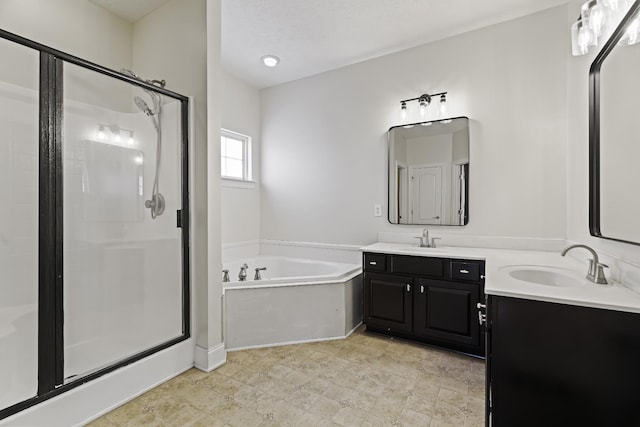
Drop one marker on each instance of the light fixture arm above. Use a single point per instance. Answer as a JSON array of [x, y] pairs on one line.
[[424, 95]]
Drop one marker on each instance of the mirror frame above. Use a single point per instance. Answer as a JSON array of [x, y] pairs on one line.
[[388, 172], [594, 124]]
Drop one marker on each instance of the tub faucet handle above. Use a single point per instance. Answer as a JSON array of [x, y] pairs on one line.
[[242, 276], [258, 270], [225, 275]]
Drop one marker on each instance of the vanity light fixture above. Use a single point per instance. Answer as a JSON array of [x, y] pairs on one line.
[[424, 101], [131, 140], [101, 134], [270, 60], [597, 20]]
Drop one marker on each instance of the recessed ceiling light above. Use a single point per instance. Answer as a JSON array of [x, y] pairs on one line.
[[270, 60]]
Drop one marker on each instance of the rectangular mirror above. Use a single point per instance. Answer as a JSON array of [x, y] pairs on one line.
[[614, 206], [429, 173]]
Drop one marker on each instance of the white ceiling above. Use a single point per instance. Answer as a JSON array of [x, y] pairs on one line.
[[313, 36]]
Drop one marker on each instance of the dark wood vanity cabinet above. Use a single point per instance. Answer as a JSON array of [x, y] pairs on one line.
[[428, 299], [552, 364]]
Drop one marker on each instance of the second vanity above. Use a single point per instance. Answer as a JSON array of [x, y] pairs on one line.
[[560, 350]]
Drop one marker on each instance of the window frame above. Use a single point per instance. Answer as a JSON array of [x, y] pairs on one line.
[[247, 172]]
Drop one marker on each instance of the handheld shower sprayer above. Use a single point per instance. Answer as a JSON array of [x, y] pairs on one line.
[[157, 203]]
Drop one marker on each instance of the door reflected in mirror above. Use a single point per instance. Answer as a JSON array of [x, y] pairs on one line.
[[429, 173]]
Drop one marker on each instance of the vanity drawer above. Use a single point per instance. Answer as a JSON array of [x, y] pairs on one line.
[[466, 271], [375, 262], [418, 265]]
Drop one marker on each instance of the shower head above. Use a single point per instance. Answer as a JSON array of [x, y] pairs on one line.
[[142, 105]]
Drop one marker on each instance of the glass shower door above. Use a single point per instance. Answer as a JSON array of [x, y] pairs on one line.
[[123, 270], [18, 223]]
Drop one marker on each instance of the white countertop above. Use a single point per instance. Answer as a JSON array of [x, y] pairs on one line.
[[498, 262]]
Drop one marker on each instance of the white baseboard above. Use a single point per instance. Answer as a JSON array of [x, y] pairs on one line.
[[91, 400], [209, 359]]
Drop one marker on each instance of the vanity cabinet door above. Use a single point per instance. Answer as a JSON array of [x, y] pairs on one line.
[[562, 365], [446, 312], [388, 302]]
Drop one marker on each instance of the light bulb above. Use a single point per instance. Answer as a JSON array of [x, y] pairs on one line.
[[117, 136], [631, 34], [101, 134], [444, 110], [593, 16], [424, 103], [131, 140], [403, 111]]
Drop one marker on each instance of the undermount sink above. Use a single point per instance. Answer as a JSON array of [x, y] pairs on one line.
[[548, 276]]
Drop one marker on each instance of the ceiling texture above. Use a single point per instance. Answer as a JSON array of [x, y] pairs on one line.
[[314, 36]]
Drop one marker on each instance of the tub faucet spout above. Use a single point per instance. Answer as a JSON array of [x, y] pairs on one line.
[[242, 276], [257, 275]]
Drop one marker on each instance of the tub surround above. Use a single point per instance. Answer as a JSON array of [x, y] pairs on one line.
[[614, 296]]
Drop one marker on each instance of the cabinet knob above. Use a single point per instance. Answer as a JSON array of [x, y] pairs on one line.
[[421, 289], [481, 306], [373, 263], [408, 287], [463, 271]]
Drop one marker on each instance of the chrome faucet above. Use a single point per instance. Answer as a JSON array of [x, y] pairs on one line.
[[225, 275], [596, 269], [424, 239], [242, 276], [257, 275]]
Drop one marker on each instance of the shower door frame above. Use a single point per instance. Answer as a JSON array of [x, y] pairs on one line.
[[50, 224]]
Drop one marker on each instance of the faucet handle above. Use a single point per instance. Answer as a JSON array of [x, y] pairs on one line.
[[596, 271], [433, 241], [600, 277], [422, 241]]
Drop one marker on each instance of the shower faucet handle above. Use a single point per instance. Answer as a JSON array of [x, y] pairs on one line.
[[258, 270]]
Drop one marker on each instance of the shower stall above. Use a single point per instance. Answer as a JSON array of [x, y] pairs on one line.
[[94, 233]]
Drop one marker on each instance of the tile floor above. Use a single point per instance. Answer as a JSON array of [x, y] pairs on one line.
[[364, 380]]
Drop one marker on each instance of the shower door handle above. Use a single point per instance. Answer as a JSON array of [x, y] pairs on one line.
[[179, 223]]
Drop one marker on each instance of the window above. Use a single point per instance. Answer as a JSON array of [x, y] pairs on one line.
[[235, 156]]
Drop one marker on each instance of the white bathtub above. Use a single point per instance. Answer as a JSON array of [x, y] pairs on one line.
[[297, 300], [283, 270]]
